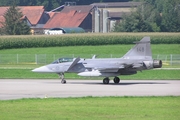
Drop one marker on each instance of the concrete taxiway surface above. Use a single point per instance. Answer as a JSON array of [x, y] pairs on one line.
[[27, 88]]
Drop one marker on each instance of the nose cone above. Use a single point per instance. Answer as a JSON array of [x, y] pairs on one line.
[[43, 69]]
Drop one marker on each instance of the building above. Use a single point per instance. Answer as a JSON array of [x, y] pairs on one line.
[[71, 16], [97, 17], [106, 15]]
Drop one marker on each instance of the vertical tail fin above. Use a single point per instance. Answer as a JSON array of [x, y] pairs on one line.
[[142, 50]]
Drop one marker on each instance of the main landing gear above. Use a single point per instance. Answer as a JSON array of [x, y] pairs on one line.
[[61, 76], [106, 80]]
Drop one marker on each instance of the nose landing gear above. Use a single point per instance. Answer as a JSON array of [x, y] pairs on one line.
[[61, 76]]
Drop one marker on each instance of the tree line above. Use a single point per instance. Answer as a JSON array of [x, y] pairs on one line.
[[152, 16]]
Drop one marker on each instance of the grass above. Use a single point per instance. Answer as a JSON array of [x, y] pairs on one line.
[[145, 75], [100, 50], [90, 108], [49, 54]]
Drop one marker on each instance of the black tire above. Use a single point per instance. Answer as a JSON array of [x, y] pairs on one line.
[[106, 80], [116, 80], [63, 81]]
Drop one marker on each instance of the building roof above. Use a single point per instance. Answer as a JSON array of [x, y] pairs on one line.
[[51, 14], [79, 8], [1, 20], [70, 30], [117, 9], [116, 4], [74, 30], [117, 14], [72, 18], [33, 13], [3, 10]]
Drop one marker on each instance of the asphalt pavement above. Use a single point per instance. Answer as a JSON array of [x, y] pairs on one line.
[[38, 88]]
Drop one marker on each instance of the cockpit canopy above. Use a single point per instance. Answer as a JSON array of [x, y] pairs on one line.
[[62, 60]]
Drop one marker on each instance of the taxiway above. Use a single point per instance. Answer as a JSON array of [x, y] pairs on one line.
[[37, 88]]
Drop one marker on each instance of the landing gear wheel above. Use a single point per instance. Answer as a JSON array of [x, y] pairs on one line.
[[116, 80], [63, 81], [106, 80], [61, 76]]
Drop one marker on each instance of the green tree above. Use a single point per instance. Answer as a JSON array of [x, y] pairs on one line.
[[14, 23], [133, 23], [144, 19], [171, 16], [153, 15]]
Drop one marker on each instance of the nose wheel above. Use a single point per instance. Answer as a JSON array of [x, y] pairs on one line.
[[63, 81], [61, 76]]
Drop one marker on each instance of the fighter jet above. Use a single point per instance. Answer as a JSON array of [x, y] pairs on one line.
[[136, 59]]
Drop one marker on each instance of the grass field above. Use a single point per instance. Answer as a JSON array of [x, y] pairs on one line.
[[92, 108], [100, 50], [49, 54]]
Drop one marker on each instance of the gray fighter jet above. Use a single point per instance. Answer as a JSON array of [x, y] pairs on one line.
[[137, 59]]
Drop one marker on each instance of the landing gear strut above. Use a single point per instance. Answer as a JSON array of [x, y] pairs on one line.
[[61, 76]]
